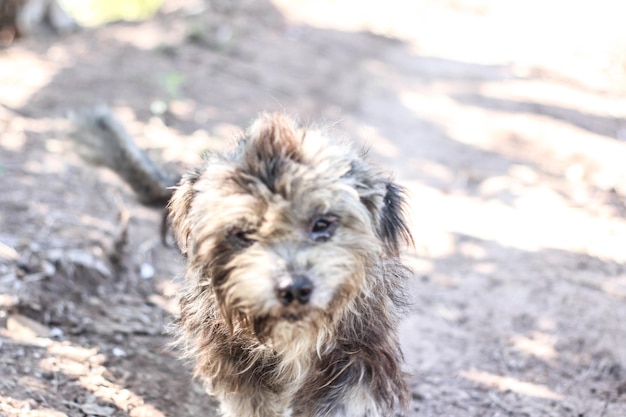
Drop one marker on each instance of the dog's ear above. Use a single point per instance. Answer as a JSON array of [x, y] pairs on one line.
[[179, 207], [392, 221], [386, 202]]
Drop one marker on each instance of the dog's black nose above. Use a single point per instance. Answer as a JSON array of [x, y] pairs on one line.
[[298, 288]]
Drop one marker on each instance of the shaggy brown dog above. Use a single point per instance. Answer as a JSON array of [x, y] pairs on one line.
[[293, 285]]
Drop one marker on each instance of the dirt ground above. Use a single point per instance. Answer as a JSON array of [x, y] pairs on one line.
[[508, 130]]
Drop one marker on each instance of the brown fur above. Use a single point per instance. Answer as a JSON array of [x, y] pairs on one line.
[[290, 205]]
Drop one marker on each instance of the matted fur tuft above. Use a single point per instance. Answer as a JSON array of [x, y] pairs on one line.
[[293, 285]]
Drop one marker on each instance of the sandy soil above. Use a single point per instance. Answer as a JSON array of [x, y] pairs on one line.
[[510, 141]]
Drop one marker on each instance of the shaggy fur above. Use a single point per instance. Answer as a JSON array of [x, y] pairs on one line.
[[293, 284]]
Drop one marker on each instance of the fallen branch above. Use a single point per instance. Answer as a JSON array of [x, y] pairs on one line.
[[103, 141]]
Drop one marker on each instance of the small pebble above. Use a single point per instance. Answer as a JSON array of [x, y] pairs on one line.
[[118, 352], [146, 271]]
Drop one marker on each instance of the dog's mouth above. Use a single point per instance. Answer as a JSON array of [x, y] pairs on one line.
[[292, 316], [265, 326]]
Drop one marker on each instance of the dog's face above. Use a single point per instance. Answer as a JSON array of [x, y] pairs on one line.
[[287, 230]]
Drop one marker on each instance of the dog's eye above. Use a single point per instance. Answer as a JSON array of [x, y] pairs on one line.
[[323, 228], [241, 238]]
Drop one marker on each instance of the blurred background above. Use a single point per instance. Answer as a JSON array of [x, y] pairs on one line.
[[505, 121]]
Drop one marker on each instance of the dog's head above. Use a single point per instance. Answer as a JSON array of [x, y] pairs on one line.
[[287, 229]]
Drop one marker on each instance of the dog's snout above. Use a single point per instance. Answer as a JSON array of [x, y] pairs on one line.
[[296, 289]]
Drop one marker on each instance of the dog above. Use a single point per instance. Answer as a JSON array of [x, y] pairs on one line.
[[293, 285]]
